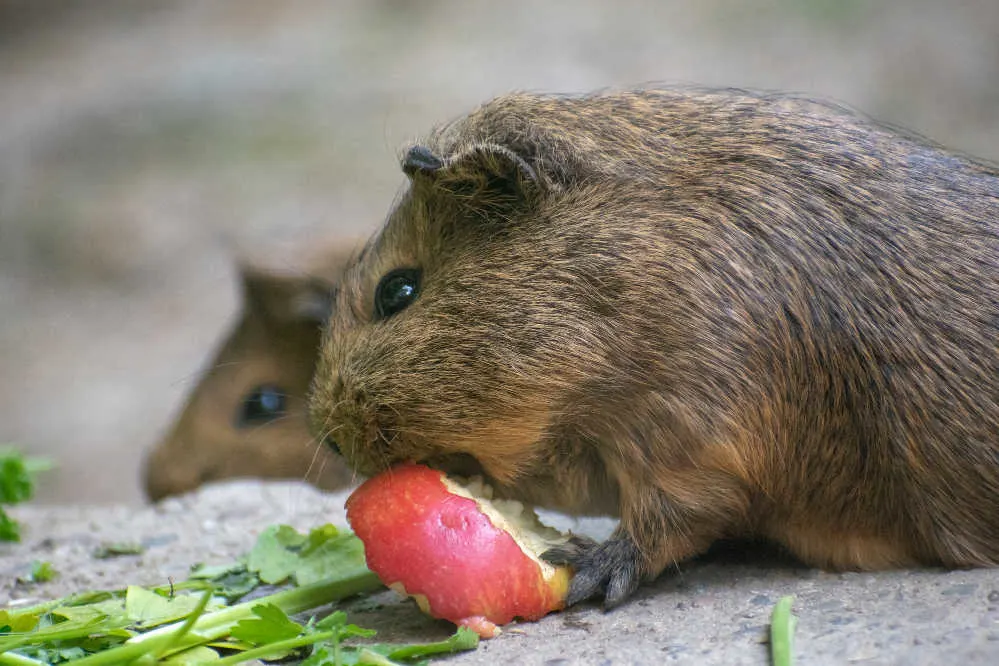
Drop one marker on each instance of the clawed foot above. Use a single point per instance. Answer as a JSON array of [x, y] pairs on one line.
[[611, 569]]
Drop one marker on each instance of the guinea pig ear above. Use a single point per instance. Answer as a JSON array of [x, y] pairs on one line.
[[314, 302], [286, 298], [420, 160], [483, 176]]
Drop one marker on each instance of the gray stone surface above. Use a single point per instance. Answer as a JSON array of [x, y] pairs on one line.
[[714, 611]]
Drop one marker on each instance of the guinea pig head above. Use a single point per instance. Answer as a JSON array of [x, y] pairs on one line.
[[247, 415], [457, 337]]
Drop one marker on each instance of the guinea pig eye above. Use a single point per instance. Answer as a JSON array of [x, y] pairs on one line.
[[262, 405], [396, 290]]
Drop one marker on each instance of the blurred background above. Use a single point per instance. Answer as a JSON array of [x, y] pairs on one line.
[[144, 146]]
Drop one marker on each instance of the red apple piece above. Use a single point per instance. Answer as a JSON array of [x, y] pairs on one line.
[[461, 555]]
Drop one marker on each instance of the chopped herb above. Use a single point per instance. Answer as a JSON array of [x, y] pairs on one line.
[[269, 626], [41, 571], [194, 624], [281, 553], [117, 549], [17, 481], [9, 529], [782, 625]]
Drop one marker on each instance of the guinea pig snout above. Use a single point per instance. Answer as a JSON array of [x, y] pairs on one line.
[[350, 423]]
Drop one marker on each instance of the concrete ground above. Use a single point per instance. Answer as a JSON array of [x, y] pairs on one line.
[[714, 611]]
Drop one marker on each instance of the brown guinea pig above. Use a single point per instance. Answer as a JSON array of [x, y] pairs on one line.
[[713, 313], [247, 416]]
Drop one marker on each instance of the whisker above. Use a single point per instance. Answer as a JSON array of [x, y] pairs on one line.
[[190, 377], [387, 445], [316, 456], [253, 429]]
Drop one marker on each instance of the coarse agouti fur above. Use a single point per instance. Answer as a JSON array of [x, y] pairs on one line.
[[247, 415], [714, 313]]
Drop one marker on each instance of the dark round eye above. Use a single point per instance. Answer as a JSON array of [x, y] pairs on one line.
[[396, 291], [263, 404]]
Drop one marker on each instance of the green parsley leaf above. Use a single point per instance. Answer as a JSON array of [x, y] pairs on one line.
[[270, 626], [15, 481], [326, 552], [9, 529], [340, 556], [41, 571], [13, 622], [275, 555], [319, 536], [96, 611], [231, 581], [148, 609], [338, 621], [16, 485], [322, 655]]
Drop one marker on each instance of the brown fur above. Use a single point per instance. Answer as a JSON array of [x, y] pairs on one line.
[[713, 313], [274, 344]]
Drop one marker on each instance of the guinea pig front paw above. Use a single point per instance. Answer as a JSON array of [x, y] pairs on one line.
[[612, 568]]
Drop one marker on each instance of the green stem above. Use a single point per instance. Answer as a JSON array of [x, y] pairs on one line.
[[84, 598], [72, 600], [54, 633], [275, 648], [782, 624], [366, 657], [123, 654], [11, 659], [294, 600], [425, 649], [185, 628]]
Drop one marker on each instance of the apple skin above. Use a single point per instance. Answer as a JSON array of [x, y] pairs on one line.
[[441, 549]]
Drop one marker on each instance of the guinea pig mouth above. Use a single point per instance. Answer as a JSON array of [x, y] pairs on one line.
[[371, 441], [457, 464], [465, 466]]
